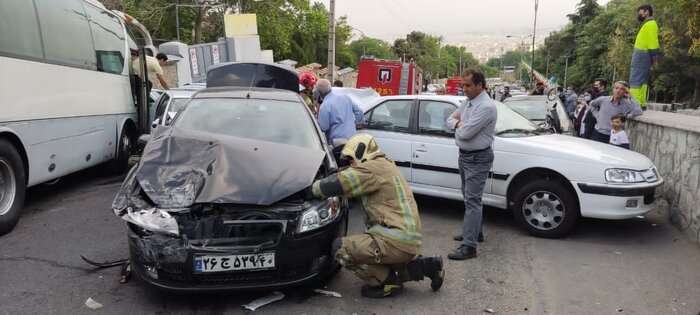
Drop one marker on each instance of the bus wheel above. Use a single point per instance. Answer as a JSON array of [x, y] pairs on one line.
[[13, 184], [120, 164]]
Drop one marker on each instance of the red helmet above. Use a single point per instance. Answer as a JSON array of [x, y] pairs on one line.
[[307, 78]]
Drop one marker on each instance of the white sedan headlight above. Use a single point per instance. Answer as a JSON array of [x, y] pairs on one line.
[[617, 175], [319, 215]]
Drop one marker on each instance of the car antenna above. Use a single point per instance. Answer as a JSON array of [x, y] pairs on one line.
[[251, 86]]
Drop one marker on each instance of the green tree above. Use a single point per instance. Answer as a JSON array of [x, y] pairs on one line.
[[372, 47]]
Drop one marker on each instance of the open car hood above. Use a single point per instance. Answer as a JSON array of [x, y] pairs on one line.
[[181, 167]]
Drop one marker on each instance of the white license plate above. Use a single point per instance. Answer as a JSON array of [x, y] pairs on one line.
[[216, 263]]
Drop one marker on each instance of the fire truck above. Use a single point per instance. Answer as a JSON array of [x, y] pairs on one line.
[[389, 77], [452, 86]]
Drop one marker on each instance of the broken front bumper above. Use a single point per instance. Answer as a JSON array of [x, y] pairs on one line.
[[168, 262]]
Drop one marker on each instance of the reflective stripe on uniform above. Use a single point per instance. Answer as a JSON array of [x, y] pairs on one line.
[[405, 208], [354, 180], [397, 235]]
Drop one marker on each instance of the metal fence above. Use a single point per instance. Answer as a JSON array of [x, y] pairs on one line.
[[203, 56]]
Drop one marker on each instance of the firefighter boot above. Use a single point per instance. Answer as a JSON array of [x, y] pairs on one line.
[[390, 286], [430, 267]]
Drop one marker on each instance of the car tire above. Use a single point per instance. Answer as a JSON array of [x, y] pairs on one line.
[[13, 184], [546, 208], [126, 147]]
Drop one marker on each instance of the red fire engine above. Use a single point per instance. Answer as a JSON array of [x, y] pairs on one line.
[[452, 85], [389, 77]]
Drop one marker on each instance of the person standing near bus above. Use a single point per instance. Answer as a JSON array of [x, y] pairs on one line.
[[153, 66]]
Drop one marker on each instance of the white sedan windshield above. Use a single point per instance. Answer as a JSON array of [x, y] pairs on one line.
[[513, 124], [267, 120]]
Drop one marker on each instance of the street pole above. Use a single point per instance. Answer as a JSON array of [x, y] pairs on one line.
[[566, 70], [331, 42], [534, 29], [547, 71], [177, 21]]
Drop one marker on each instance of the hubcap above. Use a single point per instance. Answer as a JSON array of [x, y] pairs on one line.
[[126, 146], [543, 210], [7, 186]]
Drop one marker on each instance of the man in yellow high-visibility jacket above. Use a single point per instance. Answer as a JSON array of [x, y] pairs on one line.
[[645, 54]]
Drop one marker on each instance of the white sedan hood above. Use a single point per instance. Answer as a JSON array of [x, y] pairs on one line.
[[574, 149]]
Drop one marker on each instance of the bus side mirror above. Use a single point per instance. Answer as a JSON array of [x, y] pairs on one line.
[[143, 140]]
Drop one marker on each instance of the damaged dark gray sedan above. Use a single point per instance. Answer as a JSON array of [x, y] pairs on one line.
[[218, 198]]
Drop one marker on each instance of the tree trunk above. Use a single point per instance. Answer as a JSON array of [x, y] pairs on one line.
[[198, 25]]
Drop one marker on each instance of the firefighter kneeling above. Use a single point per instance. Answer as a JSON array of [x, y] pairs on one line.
[[388, 253]]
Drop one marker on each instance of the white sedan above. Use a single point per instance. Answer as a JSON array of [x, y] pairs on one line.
[[548, 180]]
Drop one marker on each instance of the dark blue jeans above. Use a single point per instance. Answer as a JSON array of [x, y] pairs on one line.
[[473, 170]]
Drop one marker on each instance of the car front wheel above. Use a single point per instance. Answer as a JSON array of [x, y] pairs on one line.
[[546, 208]]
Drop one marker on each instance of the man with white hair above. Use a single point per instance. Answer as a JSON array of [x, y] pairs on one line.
[[338, 114]]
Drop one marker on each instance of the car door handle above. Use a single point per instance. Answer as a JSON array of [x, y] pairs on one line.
[[421, 148]]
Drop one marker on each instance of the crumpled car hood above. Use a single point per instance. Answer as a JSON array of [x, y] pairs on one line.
[[179, 168]]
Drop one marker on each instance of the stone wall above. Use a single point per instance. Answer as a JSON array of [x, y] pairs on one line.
[[672, 141]]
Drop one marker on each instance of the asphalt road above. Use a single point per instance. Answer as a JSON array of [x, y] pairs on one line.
[[637, 266]]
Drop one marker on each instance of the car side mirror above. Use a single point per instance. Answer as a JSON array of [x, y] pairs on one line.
[[143, 140]]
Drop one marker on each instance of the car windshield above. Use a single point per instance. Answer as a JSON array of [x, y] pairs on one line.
[[177, 103], [533, 109], [266, 120], [512, 124]]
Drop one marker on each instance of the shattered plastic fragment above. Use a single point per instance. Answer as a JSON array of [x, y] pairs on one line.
[[92, 304], [489, 310], [273, 297], [153, 219], [328, 293]]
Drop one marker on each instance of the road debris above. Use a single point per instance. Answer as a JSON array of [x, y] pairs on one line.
[[619, 310], [654, 224], [328, 293], [92, 304], [273, 297], [125, 273], [616, 252], [489, 310], [106, 264], [640, 217]]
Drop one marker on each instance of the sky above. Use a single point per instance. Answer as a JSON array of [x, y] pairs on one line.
[[391, 19]]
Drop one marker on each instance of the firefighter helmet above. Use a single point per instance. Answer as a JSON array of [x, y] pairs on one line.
[[361, 147], [306, 79]]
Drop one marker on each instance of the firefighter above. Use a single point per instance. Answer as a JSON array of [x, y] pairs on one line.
[[308, 80], [388, 253]]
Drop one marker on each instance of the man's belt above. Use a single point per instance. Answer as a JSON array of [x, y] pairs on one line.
[[473, 151]]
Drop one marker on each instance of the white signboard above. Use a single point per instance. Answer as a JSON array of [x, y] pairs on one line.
[[215, 54], [193, 61]]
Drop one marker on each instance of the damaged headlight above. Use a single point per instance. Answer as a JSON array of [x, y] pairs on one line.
[[153, 219], [319, 215], [617, 175]]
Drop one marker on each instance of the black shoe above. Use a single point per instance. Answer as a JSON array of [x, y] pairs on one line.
[[479, 239], [462, 253], [390, 286], [433, 270]]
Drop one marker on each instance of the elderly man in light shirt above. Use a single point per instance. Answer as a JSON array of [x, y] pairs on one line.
[[603, 108], [338, 114]]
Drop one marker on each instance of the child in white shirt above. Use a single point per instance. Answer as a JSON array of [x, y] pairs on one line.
[[618, 136]]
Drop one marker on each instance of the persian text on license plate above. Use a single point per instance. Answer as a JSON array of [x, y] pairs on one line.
[[214, 263]]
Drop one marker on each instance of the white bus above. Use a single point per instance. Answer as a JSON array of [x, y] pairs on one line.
[[65, 93]]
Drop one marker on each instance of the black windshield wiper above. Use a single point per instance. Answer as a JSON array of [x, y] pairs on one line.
[[517, 130]]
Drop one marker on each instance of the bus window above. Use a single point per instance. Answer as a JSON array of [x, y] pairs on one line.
[[20, 30], [108, 38], [65, 33]]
